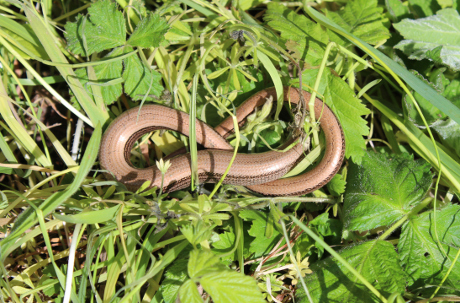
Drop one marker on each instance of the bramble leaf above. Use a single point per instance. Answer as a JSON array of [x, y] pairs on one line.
[[201, 261], [419, 251], [376, 261], [362, 18], [303, 37], [397, 10], [337, 185], [382, 189], [174, 278], [229, 286], [150, 32], [139, 79], [188, 293], [261, 244], [105, 73], [348, 109], [105, 28], [436, 38], [424, 8]]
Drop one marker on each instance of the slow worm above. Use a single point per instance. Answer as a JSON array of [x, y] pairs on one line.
[[259, 172]]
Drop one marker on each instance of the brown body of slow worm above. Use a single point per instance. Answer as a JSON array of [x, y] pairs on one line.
[[259, 172]]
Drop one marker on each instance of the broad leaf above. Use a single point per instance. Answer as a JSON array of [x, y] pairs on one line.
[[261, 245], [436, 38], [348, 109], [105, 73], [381, 190], [105, 28], [337, 185], [362, 18], [421, 256], [376, 261], [200, 262], [424, 8], [397, 10], [139, 79], [229, 286], [149, 32], [175, 275], [303, 37], [188, 293], [449, 133]]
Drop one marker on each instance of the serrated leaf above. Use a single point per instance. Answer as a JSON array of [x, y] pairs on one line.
[[200, 262], [188, 293], [260, 245], [150, 32], [304, 37], [420, 255], [105, 73], [397, 10], [175, 275], [327, 227], [449, 131], [363, 18], [139, 79], [382, 189], [376, 261], [231, 287], [337, 185], [105, 28], [424, 8], [439, 34], [348, 109]]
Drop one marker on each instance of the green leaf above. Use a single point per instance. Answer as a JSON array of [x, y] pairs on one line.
[[188, 293], [430, 94], [105, 73], [303, 37], [231, 287], [337, 185], [420, 255], [449, 132], [104, 29], [150, 32], [261, 245], [397, 10], [91, 217], [139, 79], [376, 261], [327, 227], [424, 8], [382, 190], [436, 38], [175, 275], [362, 18], [348, 109], [200, 262]]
